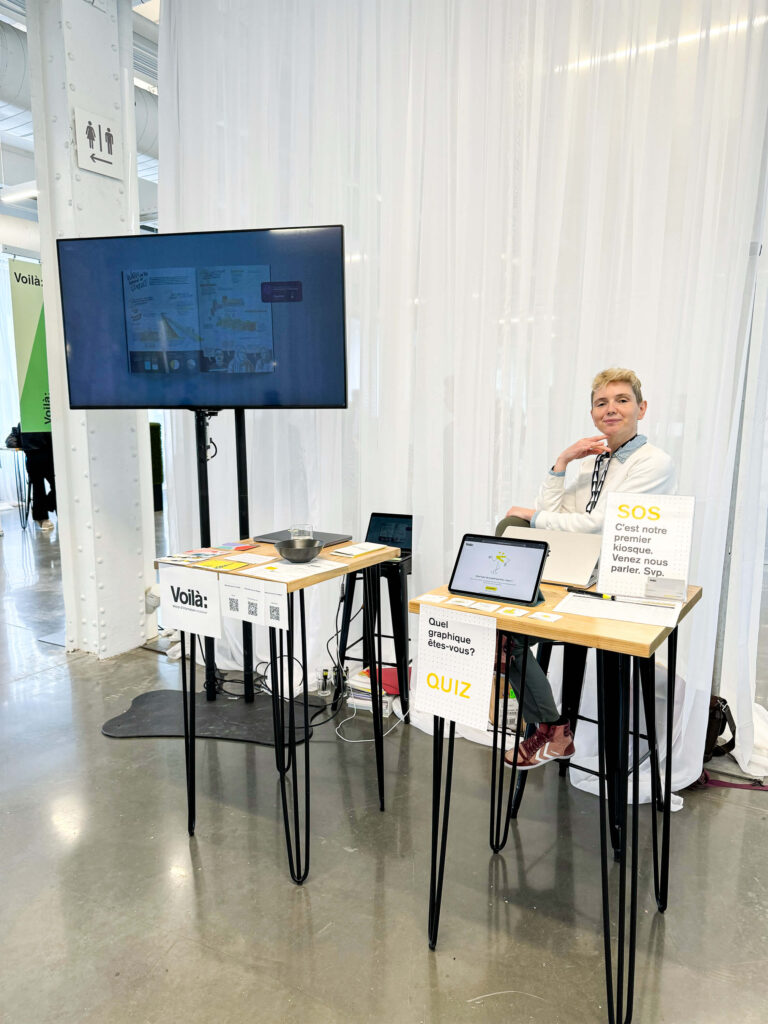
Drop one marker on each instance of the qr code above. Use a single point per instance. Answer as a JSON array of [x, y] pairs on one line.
[[274, 613], [253, 608], [234, 604]]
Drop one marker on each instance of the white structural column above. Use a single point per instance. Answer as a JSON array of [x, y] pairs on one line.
[[81, 57]]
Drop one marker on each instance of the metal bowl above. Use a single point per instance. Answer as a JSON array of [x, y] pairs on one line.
[[299, 549]]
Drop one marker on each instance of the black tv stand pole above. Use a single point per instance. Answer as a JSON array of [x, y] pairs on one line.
[[201, 437], [245, 530]]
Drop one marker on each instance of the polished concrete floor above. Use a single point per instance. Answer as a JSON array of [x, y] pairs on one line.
[[110, 913]]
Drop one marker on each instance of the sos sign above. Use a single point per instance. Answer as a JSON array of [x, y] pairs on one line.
[[651, 513]]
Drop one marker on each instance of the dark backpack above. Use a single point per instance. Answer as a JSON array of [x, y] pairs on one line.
[[719, 716], [14, 438]]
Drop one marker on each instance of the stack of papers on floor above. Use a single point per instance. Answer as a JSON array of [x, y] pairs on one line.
[[360, 694]]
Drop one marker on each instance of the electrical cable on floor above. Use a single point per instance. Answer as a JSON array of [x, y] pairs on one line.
[[371, 739], [266, 688], [262, 686]]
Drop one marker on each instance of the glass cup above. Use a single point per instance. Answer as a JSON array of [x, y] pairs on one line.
[[301, 530]]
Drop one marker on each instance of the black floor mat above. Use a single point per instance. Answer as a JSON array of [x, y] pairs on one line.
[[159, 713]]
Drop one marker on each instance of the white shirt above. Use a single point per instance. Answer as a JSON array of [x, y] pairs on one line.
[[638, 468]]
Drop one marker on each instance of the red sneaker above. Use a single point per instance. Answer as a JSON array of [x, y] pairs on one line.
[[548, 743]]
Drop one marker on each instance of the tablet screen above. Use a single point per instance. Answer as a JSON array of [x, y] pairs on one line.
[[501, 568]]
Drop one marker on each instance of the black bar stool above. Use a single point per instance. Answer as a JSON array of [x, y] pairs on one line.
[[396, 573]]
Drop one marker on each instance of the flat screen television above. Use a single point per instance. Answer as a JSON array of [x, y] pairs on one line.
[[211, 320]]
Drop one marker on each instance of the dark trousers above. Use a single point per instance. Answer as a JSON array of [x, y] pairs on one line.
[[40, 470], [538, 702]]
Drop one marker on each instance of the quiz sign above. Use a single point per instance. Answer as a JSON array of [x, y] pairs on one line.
[[646, 546], [455, 666]]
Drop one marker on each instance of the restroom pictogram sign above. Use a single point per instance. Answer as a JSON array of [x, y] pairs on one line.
[[99, 145]]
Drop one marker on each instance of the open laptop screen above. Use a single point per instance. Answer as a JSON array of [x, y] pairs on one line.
[[394, 530], [501, 568]]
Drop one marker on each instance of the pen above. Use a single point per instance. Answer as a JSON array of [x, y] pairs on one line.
[[590, 593], [623, 600]]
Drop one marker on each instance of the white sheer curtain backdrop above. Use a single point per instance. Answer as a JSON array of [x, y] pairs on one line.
[[9, 390], [530, 192]]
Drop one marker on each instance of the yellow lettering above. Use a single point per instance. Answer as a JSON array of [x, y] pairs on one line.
[[436, 681], [464, 692], [654, 512], [623, 511]]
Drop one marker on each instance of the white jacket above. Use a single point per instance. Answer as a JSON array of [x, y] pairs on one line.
[[646, 470]]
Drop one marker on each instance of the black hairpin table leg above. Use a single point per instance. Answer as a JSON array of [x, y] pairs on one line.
[[500, 814], [188, 706], [620, 997], [372, 644], [648, 684], [296, 835], [439, 828], [663, 893]]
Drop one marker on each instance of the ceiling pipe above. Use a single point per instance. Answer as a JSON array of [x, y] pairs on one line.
[[14, 88]]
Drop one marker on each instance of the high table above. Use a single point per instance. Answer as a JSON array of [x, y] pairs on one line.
[[283, 648], [624, 650]]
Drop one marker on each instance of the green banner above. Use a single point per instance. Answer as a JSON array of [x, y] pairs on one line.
[[31, 357]]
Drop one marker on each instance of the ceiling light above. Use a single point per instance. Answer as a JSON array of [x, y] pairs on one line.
[[17, 193]]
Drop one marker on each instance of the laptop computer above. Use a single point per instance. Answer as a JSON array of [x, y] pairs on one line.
[[392, 529], [572, 558], [326, 538], [499, 568]]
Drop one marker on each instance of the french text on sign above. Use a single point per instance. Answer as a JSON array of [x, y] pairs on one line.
[[646, 538], [454, 673]]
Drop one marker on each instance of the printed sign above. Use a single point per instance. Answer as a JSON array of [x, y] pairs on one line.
[[99, 148], [242, 598], [455, 668], [646, 546], [275, 604], [31, 357], [189, 600], [262, 602]]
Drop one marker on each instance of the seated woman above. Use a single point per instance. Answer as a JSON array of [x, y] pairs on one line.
[[617, 459]]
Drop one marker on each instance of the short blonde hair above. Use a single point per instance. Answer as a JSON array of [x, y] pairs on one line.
[[617, 375]]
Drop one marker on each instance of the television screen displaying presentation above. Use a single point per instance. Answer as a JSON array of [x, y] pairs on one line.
[[220, 319]]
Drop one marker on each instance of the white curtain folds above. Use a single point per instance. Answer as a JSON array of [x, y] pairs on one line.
[[531, 191]]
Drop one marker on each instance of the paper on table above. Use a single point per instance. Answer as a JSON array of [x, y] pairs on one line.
[[244, 556], [462, 602], [287, 572], [432, 598], [485, 606], [352, 550], [620, 611], [546, 616], [515, 612], [190, 557], [222, 564]]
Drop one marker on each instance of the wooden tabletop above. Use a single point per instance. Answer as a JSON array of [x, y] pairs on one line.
[[346, 564], [637, 639]]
